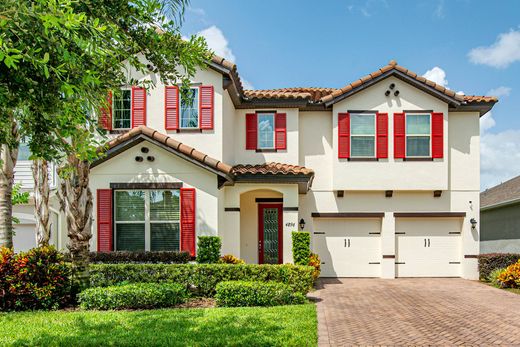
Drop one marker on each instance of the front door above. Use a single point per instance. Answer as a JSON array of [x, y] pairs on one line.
[[270, 233]]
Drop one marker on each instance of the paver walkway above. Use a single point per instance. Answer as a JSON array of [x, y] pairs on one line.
[[433, 311]]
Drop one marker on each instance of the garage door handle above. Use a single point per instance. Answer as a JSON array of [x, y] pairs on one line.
[[349, 242], [428, 242], [345, 243], [424, 242]]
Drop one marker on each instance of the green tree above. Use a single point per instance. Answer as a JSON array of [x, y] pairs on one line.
[[58, 60]]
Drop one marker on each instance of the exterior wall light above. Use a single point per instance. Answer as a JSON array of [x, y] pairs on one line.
[[302, 224], [473, 222]]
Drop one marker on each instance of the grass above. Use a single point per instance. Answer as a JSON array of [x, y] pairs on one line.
[[243, 326], [514, 290]]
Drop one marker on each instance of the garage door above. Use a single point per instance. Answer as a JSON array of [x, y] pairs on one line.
[[348, 247], [428, 248]]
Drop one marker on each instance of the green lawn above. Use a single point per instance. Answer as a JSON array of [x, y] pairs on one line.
[[243, 326], [514, 290]]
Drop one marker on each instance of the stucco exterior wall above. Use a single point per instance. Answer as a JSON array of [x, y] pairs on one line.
[[166, 167], [398, 174]]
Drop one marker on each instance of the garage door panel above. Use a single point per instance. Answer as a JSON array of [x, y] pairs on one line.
[[348, 248], [428, 248]]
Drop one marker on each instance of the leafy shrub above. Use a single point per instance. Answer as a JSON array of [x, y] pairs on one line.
[[202, 278], [133, 296], [230, 259], [492, 261], [208, 249], [493, 277], [301, 247], [510, 277], [315, 262], [36, 279], [139, 257], [255, 293]]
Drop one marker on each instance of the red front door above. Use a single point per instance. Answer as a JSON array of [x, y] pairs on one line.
[[270, 244]]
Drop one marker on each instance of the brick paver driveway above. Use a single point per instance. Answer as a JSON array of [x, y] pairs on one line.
[[436, 311]]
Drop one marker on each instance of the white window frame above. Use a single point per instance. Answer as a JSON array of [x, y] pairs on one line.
[[114, 110], [273, 115], [147, 220], [417, 135], [197, 108], [358, 135]]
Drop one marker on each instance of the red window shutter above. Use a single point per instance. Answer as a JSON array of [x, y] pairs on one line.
[[104, 220], [171, 107], [399, 135], [138, 106], [105, 119], [280, 125], [206, 107], [188, 220], [382, 135], [343, 135], [251, 131], [437, 135]]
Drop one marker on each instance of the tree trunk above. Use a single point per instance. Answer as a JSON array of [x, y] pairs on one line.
[[8, 156], [40, 169], [76, 201]]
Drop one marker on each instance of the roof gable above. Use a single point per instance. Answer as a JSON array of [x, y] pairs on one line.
[[502, 194]]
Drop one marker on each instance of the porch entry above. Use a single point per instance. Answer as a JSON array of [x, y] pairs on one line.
[[270, 245]]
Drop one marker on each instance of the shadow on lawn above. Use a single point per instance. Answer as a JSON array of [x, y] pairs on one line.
[[151, 328]]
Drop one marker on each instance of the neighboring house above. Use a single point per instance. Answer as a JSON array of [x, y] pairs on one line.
[[500, 218], [383, 172]]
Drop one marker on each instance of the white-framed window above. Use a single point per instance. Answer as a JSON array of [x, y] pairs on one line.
[[122, 109], [363, 135], [418, 135], [147, 220], [24, 152], [189, 109], [266, 131]]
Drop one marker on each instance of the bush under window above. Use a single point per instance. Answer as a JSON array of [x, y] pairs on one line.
[[125, 257], [133, 296], [202, 278], [208, 249], [255, 293]]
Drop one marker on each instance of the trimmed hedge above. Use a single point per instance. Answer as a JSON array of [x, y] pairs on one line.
[[208, 249], [301, 247], [133, 296], [125, 257], [491, 261], [201, 278], [255, 293]]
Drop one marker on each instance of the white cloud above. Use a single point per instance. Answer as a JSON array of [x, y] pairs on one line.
[[502, 53], [487, 122], [499, 157], [246, 84], [217, 42], [439, 10], [437, 75], [500, 91]]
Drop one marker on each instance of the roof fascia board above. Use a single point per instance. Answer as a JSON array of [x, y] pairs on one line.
[[501, 204]]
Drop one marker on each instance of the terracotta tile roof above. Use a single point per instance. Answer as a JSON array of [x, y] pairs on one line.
[[271, 169], [502, 193], [311, 93], [479, 98], [232, 67], [173, 144], [392, 65]]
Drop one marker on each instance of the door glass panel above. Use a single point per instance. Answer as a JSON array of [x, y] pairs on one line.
[[271, 235]]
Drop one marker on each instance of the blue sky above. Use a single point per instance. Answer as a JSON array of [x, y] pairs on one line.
[[468, 45]]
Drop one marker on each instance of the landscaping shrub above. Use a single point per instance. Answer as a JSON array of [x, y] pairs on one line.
[[36, 279], [202, 278], [230, 259], [133, 296], [255, 293], [208, 249], [301, 247], [493, 277], [492, 261], [510, 277], [315, 262], [158, 257]]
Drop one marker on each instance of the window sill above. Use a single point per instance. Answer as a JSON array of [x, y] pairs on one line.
[[266, 150], [418, 159], [188, 130], [363, 159], [119, 131]]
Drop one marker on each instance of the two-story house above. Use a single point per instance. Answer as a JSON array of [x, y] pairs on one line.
[[383, 172]]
